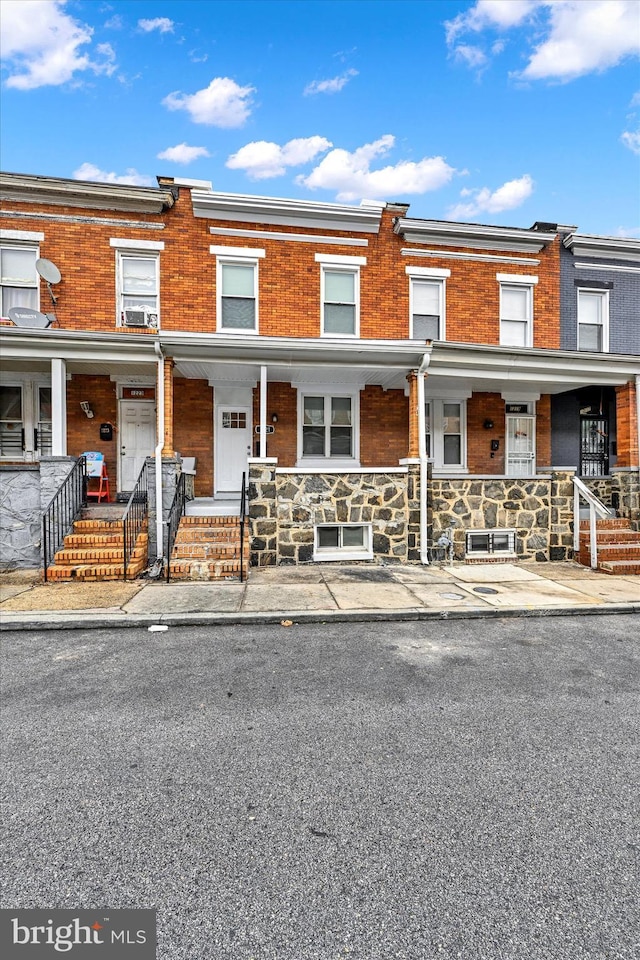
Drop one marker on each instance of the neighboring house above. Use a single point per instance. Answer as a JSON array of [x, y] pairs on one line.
[[382, 380]]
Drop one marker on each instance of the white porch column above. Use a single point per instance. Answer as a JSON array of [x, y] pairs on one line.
[[58, 407], [263, 411]]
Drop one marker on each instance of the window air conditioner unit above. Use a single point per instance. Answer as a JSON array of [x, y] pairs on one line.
[[140, 317]]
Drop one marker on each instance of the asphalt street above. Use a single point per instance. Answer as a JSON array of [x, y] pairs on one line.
[[368, 790]]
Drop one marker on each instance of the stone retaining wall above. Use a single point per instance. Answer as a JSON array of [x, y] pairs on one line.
[[626, 494], [601, 487], [284, 509], [20, 517]]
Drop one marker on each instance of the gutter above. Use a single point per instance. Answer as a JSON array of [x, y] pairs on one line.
[[158, 457], [422, 453]]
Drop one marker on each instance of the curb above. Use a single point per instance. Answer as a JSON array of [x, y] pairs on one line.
[[40, 621]]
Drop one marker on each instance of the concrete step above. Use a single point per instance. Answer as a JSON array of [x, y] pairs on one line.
[[620, 568]]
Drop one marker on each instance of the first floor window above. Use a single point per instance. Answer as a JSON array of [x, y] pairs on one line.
[[18, 278], [446, 433], [11, 423], [327, 427], [351, 541], [593, 309], [238, 299], [516, 315], [25, 420], [139, 292]]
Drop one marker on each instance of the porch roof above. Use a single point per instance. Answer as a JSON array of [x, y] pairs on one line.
[[222, 357]]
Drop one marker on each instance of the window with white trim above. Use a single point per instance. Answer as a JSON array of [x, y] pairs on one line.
[[138, 289], [593, 320], [18, 277], [343, 541], [427, 302], [340, 301], [25, 420], [445, 429], [516, 310], [486, 543], [237, 285], [327, 427]]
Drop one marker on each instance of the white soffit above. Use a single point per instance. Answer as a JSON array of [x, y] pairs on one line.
[[242, 208], [470, 235]]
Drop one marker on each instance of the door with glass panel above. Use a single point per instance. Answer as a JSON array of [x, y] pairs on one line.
[[12, 434], [42, 430], [520, 458], [233, 446]]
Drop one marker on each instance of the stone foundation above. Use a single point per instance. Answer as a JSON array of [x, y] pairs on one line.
[[285, 507], [626, 494], [20, 517]]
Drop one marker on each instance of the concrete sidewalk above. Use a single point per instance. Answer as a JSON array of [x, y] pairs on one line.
[[321, 593]]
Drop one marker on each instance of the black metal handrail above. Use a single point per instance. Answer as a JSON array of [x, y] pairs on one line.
[[134, 516], [243, 516], [65, 506], [176, 512]]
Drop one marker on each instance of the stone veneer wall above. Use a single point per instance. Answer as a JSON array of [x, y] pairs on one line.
[[601, 487], [540, 509], [285, 507], [20, 517], [626, 494]]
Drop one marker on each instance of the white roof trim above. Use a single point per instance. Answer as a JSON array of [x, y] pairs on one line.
[[612, 248], [292, 237], [451, 255], [472, 235]]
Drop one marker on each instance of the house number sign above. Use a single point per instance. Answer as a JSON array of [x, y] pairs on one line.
[[138, 393]]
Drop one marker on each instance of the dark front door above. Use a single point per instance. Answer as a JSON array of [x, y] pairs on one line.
[[594, 446]]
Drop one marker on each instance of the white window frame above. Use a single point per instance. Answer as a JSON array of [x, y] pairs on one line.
[[12, 240], [437, 434], [492, 534], [140, 251], [527, 283], [241, 257], [437, 276], [604, 299], [337, 463], [341, 553], [334, 263], [29, 386]]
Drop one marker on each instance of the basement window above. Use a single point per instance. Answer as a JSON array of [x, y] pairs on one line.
[[342, 541], [487, 543]]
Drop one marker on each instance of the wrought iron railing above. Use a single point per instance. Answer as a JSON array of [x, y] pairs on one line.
[[244, 511], [65, 506], [134, 517], [176, 512]]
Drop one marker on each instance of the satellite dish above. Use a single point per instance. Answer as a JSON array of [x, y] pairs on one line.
[[23, 317], [48, 271]]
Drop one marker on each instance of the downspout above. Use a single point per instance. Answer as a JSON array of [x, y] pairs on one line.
[[158, 456], [422, 453]]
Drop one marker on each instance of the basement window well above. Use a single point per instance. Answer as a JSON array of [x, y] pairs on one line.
[[343, 541], [489, 543]]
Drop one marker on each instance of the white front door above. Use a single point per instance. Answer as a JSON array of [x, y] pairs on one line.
[[137, 426], [233, 446], [520, 446]]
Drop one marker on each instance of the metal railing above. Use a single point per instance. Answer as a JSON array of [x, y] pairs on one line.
[[596, 507], [176, 512], [65, 506], [244, 511], [133, 518]]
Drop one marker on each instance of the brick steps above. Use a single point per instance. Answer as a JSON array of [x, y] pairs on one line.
[[618, 547], [208, 548], [94, 551]]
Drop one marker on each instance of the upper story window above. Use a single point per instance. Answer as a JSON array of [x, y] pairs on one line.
[[138, 282], [237, 288], [340, 294], [427, 299], [593, 320], [516, 310], [19, 280]]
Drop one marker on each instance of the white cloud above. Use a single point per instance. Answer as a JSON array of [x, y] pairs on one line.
[[183, 153], [351, 176], [222, 104], [586, 36], [635, 100], [628, 232], [330, 86], [262, 159], [631, 139], [162, 24], [41, 45], [472, 56], [578, 36], [89, 171], [510, 195]]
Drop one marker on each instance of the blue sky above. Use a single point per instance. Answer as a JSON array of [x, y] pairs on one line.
[[494, 111]]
